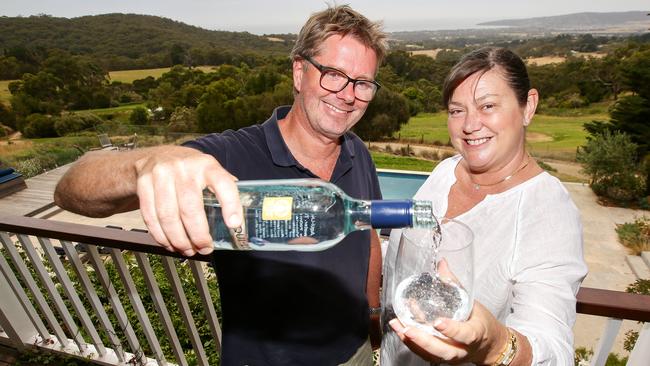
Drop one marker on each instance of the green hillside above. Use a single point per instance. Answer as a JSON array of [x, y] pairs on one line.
[[124, 38]]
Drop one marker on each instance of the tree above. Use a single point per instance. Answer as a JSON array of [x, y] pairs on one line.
[[7, 117], [166, 97], [142, 86], [214, 113], [631, 114], [9, 68], [177, 54], [385, 115]]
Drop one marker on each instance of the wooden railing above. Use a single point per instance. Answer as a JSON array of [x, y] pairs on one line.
[[95, 323], [74, 326]]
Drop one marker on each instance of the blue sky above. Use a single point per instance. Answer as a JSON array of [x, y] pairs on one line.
[[286, 16]]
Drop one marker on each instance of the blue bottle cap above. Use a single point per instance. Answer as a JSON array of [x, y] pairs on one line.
[[391, 214]]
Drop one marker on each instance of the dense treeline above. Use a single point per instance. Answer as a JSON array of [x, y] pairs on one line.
[[61, 66], [564, 45], [233, 96], [617, 154], [126, 41]]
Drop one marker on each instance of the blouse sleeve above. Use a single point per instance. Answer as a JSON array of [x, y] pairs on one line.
[[547, 269]]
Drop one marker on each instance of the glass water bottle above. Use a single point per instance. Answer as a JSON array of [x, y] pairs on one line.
[[307, 215]]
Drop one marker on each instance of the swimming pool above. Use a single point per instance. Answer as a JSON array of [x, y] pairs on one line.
[[396, 184]]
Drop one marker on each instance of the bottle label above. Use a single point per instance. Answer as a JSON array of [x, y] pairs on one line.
[[277, 208], [295, 226]]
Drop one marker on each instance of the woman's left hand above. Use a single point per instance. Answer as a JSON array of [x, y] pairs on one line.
[[480, 339]]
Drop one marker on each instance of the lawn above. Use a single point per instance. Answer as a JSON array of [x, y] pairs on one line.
[[127, 76], [548, 136], [558, 137]]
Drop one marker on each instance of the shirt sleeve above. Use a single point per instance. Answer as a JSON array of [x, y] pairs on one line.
[[547, 270]]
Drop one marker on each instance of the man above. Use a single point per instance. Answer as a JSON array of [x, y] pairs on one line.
[[279, 308]]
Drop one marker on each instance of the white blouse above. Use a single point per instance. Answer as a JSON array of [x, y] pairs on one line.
[[528, 262]]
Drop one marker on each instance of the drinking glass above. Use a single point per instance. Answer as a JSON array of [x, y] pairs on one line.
[[434, 275]]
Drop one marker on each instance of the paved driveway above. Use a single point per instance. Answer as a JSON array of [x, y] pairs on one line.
[[605, 258]]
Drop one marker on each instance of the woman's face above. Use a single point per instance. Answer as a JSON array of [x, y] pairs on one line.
[[486, 123]]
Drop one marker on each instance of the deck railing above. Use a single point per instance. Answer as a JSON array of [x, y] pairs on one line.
[[43, 307]]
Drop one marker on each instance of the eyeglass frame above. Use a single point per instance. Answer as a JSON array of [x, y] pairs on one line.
[[322, 69]]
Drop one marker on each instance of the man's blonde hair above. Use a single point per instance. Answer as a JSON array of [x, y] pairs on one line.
[[339, 20]]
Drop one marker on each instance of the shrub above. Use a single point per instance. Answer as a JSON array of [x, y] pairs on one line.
[[430, 155], [29, 167], [545, 166], [572, 101], [68, 124], [635, 235], [39, 125], [139, 116], [582, 355], [183, 120], [447, 155], [72, 123], [609, 159]]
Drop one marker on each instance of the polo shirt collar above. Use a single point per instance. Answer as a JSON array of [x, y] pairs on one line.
[[280, 151]]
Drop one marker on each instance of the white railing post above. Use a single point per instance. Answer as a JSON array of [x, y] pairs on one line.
[[606, 342], [13, 318], [640, 355]]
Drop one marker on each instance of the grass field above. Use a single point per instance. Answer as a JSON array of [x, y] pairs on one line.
[[127, 76], [120, 114], [559, 137], [548, 136], [4, 91], [389, 161]]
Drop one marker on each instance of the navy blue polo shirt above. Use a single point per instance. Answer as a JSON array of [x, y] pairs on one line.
[[292, 308]]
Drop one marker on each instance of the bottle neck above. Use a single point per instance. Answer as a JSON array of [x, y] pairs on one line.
[[380, 214], [389, 214], [392, 214]]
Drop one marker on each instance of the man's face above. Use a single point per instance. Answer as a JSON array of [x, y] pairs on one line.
[[327, 113]]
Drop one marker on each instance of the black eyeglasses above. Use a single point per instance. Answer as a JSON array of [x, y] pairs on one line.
[[334, 81]]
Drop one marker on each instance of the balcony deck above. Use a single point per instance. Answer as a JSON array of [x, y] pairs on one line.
[[598, 310], [37, 197]]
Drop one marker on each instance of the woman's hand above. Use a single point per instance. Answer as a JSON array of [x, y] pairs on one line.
[[480, 339]]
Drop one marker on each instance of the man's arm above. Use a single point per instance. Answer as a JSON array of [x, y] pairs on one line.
[[165, 182], [101, 183]]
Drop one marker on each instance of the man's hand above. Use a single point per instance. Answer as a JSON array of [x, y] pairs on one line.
[[170, 192]]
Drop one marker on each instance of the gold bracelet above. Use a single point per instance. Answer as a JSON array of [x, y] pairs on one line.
[[508, 354]]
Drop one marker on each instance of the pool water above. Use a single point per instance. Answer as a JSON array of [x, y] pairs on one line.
[[399, 185]]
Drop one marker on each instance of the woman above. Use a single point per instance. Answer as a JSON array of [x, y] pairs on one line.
[[527, 231]]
